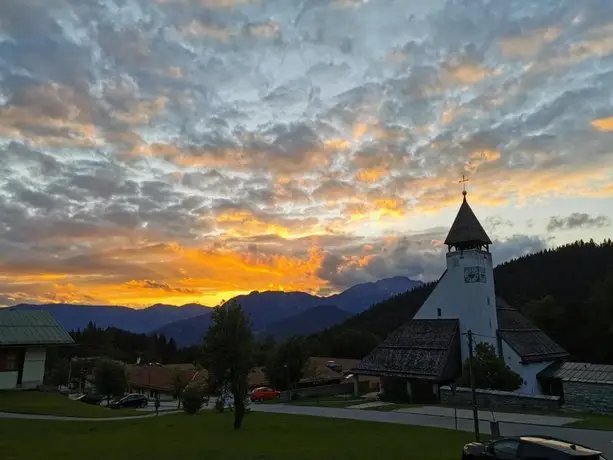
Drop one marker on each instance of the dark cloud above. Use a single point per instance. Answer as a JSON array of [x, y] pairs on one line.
[[577, 220], [418, 256]]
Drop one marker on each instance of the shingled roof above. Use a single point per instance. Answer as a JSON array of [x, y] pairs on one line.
[[527, 340], [427, 349], [466, 230]]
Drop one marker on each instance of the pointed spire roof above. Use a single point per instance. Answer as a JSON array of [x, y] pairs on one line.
[[466, 230]]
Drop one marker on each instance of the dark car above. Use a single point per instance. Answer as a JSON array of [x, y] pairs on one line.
[[529, 448], [90, 398], [133, 400]]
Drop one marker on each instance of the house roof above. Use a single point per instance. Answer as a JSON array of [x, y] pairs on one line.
[[31, 327], [162, 378], [421, 348], [579, 372], [319, 371], [527, 340], [466, 229]]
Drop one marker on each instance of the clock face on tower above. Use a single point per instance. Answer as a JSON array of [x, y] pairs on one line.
[[474, 275]]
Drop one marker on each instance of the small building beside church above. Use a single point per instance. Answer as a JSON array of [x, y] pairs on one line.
[[25, 336], [428, 351]]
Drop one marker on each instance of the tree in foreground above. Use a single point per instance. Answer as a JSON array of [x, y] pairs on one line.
[[229, 354], [110, 379], [193, 399], [491, 372], [287, 362], [178, 387]]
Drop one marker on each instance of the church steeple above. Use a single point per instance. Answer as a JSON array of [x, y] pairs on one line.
[[466, 231]]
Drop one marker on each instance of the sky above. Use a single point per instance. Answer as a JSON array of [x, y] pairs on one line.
[[181, 151]]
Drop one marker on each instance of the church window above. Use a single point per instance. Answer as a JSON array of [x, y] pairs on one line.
[[488, 302], [439, 312]]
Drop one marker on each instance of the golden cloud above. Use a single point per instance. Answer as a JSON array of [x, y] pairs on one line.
[[188, 274], [244, 223], [51, 115], [529, 44], [204, 30], [603, 124], [371, 175], [466, 74]]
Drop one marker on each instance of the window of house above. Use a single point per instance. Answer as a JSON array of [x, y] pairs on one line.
[[439, 312], [8, 360]]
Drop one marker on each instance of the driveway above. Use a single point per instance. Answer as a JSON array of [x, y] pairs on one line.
[[601, 440]]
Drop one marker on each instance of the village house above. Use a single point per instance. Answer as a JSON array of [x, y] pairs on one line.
[[25, 337], [320, 372], [428, 351], [163, 381]]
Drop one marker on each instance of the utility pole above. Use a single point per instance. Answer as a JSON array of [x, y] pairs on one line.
[[472, 383]]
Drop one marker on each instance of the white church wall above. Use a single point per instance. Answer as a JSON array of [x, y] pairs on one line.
[[473, 304], [528, 372]]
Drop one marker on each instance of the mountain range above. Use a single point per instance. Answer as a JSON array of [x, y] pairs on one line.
[[280, 314]]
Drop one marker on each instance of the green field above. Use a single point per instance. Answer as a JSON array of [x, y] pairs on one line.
[[594, 422], [210, 435], [34, 402]]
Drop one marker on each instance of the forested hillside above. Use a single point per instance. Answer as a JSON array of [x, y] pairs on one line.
[[567, 292]]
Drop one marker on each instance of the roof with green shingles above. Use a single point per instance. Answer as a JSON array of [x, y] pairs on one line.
[[36, 327]]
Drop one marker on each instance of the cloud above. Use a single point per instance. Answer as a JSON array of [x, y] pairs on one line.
[[577, 220], [285, 141]]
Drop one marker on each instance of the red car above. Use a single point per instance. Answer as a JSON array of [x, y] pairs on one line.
[[264, 394]]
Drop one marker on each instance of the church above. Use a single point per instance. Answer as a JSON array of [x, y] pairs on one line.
[[428, 351]]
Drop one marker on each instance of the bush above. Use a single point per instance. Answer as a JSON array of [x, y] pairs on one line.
[[193, 399], [220, 405]]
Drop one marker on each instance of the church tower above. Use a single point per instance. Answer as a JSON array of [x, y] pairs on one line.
[[466, 289]]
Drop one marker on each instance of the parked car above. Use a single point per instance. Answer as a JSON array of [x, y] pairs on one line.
[[132, 400], [529, 448], [90, 398], [264, 394]]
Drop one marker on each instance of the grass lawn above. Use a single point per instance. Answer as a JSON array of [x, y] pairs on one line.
[[391, 407], [324, 401], [596, 422], [329, 402], [210, 435], [34, 402]]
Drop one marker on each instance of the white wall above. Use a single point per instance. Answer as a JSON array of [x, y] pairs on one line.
[[8, 380], [33, 367], [528, 372], [474, 304]]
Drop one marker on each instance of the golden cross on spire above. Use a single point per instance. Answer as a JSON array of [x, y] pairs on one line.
[[463, 182]]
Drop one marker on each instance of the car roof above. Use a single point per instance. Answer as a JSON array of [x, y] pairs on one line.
[[558, 444]]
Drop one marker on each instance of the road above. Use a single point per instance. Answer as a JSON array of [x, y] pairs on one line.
[[601, 440]]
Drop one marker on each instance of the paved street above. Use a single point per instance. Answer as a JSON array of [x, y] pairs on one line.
[[601, 440]]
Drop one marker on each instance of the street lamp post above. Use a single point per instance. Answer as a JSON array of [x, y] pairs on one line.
[[289, 386]]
